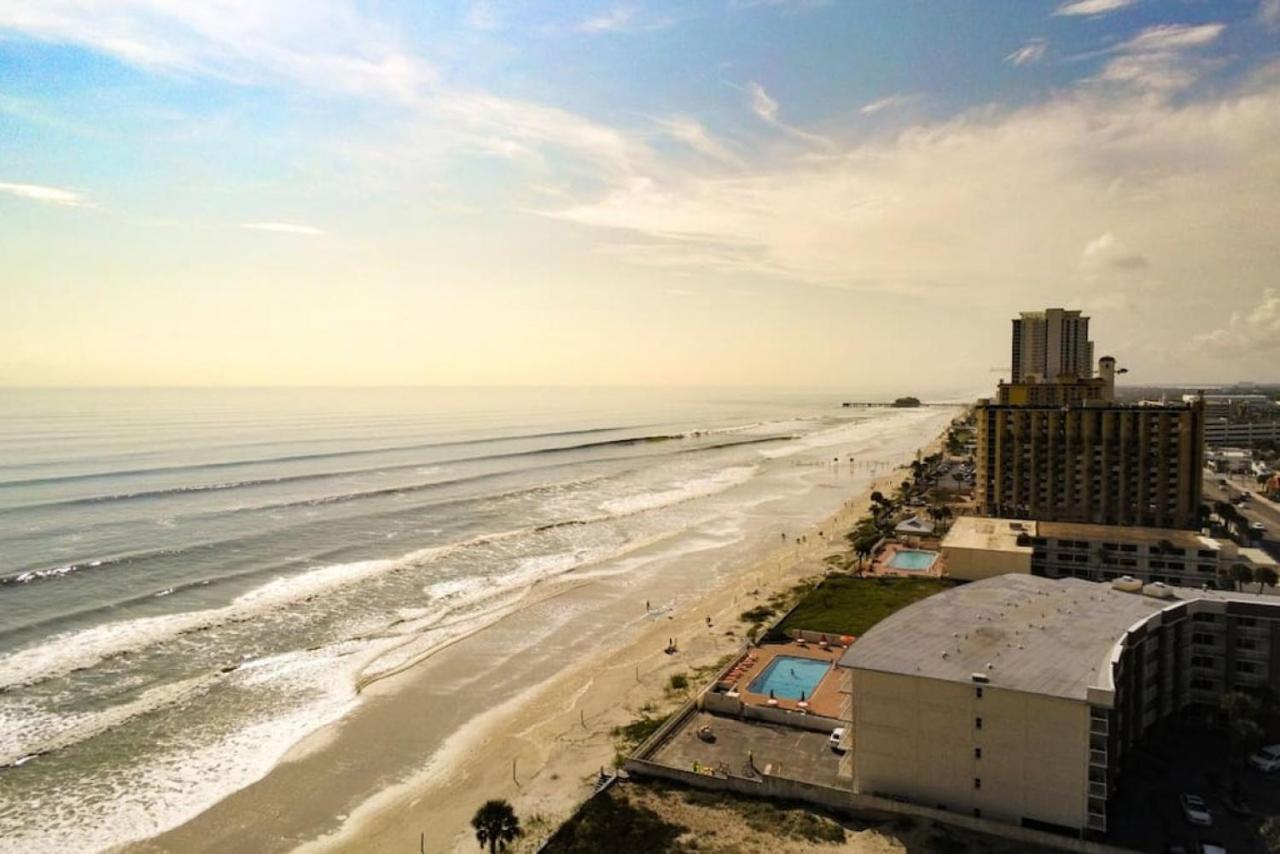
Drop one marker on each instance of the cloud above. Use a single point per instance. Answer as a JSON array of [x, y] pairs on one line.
[[482, 16], [988, 203], [767, 109], [883, 104], [693, 134], [284, 228], [1269, 14], [1031, 52], [623, 19], [1090, 8], [1255, 332], [326, 44], [1107, 253], [48, 195], [614, 19], [1156, 59]]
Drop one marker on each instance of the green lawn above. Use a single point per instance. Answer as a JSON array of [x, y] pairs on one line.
[[846, 605]]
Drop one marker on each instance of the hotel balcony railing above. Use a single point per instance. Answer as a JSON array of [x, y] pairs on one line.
[[1098, 758], [1098, 790], [1098, 822]]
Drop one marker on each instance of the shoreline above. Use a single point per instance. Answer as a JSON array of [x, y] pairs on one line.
[[540, 743]]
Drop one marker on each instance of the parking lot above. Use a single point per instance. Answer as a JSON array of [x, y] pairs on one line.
[[1145, 813]]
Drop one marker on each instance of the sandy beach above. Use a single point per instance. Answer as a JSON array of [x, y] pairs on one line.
[[523, 709]]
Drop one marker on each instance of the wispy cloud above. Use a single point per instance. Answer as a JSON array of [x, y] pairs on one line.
[[695, 135], [767, 109], [1031, 52], [482, 16], [613, 20], [1090, 8], [47, 195], [325, 43], [884, 104], [1157, 59], [625, 19], [284, 228]]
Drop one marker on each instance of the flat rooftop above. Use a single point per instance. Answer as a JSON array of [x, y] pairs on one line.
[[1040, 635], [997, 535], [1125, 534]]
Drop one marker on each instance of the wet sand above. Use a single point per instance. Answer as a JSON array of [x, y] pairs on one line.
[[523, 708]]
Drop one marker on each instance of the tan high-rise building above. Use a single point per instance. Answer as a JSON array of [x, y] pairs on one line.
[[1050, 344], [1084, 458]]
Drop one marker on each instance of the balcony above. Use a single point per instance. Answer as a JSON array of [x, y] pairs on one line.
[[1098, 758], [1098, 790]]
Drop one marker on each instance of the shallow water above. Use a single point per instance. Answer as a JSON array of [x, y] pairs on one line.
[[192, 580]]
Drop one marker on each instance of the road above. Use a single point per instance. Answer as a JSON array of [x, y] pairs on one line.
[[1257, 509]]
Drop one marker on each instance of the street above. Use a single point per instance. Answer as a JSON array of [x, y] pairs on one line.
[[1257, 509]]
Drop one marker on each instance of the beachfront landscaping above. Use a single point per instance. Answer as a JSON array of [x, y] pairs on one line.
[[848, 605]]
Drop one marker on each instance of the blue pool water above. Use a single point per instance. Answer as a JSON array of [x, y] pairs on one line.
[[788, 676], [913, 560]]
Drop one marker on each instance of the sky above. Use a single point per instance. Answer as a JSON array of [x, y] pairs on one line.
[[791, 193]]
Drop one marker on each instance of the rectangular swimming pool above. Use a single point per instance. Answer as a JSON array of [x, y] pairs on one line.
[[787, 677], [912, 560]]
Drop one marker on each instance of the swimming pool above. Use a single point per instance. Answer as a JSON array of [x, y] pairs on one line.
[[912, 560], [788, 677]]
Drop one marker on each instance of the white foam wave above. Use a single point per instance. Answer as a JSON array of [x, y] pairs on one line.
[[128, 803], [679, 492]]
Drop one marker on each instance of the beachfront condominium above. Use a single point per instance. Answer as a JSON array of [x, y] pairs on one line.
[[1014, 698], [1051, 343]]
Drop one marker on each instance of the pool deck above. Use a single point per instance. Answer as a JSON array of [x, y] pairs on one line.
[[828, 699]]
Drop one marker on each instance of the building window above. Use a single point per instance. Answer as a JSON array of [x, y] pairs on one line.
[[1200, 637], [977, 813], [1246, 643], [977, 723], [977, 782], [979, 692], [1247, 622], [1245, 667], [977, 753]]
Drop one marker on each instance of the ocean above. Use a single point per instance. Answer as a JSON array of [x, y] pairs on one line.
[[191, 581]]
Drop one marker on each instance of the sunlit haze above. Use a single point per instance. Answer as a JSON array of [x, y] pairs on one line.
[[739, 192]]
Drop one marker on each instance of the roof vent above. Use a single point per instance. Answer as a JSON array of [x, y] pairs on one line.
[[1158, 590], [980, 677]]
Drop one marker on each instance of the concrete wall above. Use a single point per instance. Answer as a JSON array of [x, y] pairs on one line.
[[974, 564], [916, 738]]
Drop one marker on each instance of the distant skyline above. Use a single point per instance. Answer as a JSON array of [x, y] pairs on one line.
[[739, 192]]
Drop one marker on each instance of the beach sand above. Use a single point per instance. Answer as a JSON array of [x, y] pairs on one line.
[[522, 709]]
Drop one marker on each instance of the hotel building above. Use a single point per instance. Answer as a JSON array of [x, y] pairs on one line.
[[1066, 451], [1051, 343]]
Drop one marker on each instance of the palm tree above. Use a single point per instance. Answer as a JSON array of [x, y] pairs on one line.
[[1266, 577], [1241, 574], [496, 825], [1241, 711]]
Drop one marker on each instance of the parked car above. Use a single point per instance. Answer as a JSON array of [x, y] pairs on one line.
[[1196, 810], [1266, 759], [837, 736]]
